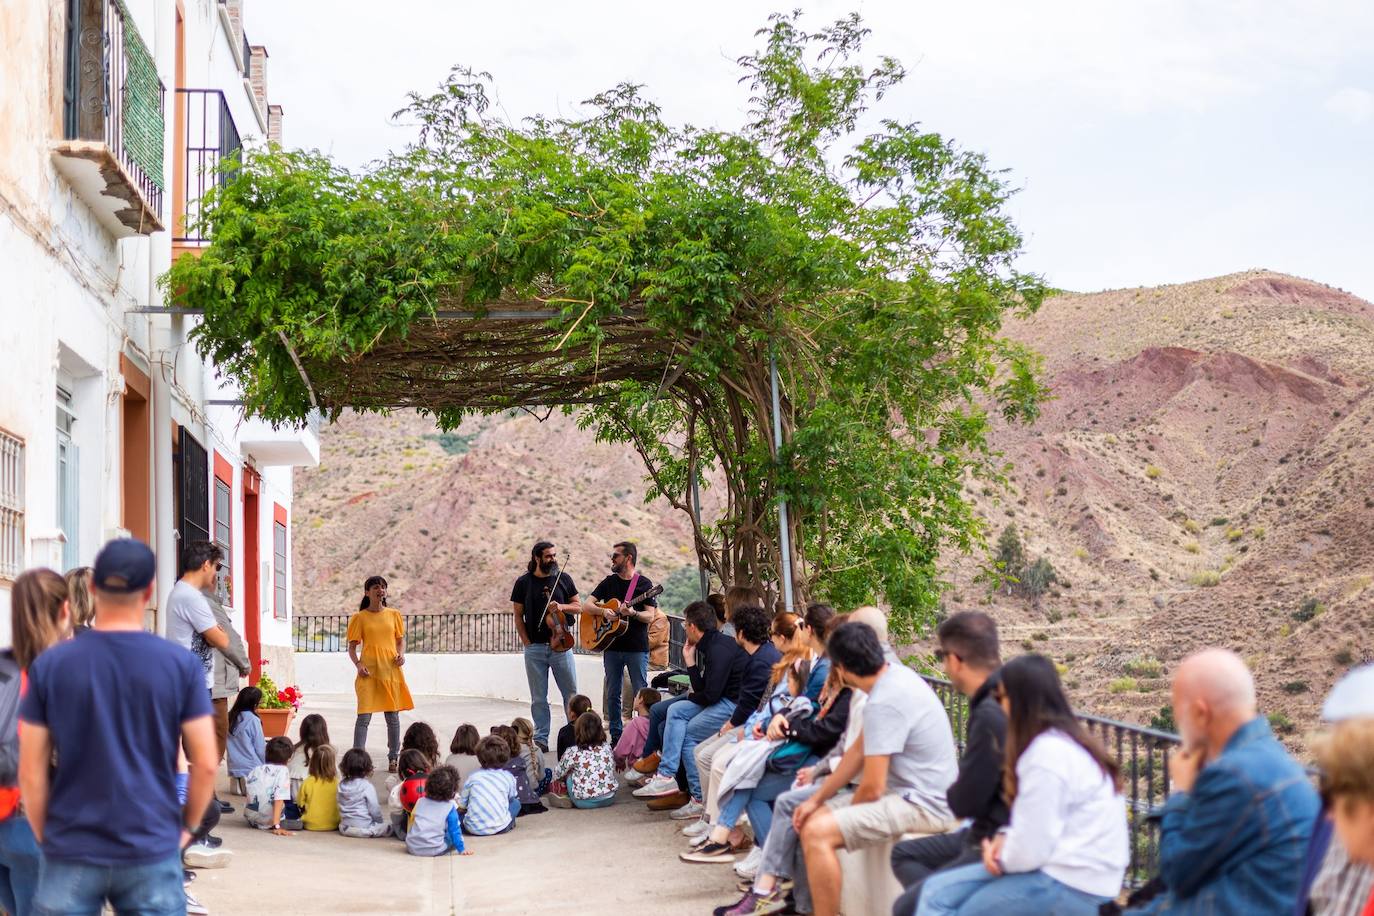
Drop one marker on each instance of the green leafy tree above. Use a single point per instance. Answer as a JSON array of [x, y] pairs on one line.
[[875, 267], [1010, 557]]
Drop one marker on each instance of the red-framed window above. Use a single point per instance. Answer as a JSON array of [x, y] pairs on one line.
[[222, 525], [280, 555]]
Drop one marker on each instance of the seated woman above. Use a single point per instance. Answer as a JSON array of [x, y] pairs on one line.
[[589, 767], [1066, 848], [794, 741]]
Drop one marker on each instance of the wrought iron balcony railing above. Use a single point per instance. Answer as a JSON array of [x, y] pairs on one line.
[[211, 147]]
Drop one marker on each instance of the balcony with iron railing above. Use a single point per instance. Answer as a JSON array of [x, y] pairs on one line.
[[113, 119], [209, 150]]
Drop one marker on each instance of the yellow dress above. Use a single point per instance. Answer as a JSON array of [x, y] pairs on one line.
[[384, 689], [320, 799]]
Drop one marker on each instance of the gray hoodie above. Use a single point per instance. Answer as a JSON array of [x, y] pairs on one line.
[[358, 804]]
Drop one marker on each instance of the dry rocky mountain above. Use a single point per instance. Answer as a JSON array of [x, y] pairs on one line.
[[1203, 475]]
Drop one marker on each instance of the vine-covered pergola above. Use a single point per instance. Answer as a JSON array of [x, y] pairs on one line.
[[802, 311]]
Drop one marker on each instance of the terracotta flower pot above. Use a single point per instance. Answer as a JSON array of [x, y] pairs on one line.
[[275, 722]]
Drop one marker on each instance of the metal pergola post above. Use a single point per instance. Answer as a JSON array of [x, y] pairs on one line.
[[784, 536]]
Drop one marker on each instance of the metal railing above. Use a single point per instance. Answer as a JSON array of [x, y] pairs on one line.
[[112, 93], [212, 138], [1142, 755], [486, 632]]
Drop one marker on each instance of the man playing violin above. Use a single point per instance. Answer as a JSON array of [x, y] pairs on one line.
[[534, 594], [629, 652]]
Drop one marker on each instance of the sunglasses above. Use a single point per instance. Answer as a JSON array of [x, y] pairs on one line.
[[942, 654]]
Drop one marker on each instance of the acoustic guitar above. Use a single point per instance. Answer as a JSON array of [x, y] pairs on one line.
[[599, 632]]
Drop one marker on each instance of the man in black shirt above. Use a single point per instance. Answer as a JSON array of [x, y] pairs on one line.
[[533, 592], [969, 651], [630, 650]]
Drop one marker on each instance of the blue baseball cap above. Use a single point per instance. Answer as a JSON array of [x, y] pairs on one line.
[[124, 565]]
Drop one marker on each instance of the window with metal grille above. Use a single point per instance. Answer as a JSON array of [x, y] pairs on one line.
[[279, 570], [224, 538], [11, 505], [68, 481]]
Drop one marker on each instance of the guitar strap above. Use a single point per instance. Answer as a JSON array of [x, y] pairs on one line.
[[630, 592]]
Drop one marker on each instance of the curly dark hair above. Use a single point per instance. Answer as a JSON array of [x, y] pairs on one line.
[[421, 737], [493, 752], [442, 784], [752, 623]]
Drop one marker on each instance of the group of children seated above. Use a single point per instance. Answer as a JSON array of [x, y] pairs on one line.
[[480, 789]]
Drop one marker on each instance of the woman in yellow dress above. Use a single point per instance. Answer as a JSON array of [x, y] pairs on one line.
[[380, 685]]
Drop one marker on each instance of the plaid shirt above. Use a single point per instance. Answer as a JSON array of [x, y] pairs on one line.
[[1341, 887]]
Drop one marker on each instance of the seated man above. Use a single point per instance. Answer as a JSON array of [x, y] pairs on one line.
[[905, 757], [715, 690], [969, 651], [1235, 828]]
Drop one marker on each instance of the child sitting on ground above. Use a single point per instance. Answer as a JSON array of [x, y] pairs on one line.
[[412, 769], [588, 767], [435, 827], [319, 793], [540, 776], [519, 769], [421, 737], [245, 748], [631, 743], [566, 738], [463, 752], [314, 734], [490, 800], [359, 813], [269, 789]]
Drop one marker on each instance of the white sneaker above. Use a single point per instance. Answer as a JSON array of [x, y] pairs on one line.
[[635, 778], [194, 906], [198, 855], [750, 866], [657, 787], [697, 828], [699, 840], [691, 811]]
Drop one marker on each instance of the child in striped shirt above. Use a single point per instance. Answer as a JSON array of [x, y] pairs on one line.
[[490, 801]]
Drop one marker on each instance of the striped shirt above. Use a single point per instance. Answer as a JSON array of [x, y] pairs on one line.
[[486, 801]]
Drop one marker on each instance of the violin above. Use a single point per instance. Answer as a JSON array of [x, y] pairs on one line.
[[560, 637]]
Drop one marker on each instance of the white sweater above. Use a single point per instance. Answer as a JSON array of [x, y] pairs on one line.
[[1067, 820]]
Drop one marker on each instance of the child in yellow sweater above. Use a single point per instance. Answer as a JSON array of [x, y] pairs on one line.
[[319, 795]]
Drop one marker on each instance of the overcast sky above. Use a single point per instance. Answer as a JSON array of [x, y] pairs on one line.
[[1154, 141]]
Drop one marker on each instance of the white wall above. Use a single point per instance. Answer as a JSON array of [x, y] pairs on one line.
[[498, 677]]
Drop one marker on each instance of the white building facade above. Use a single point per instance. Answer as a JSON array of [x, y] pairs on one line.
[[114, 118]]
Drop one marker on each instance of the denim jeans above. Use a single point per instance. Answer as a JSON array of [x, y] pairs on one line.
[[636, 664], [539, 661], [658, 718], [393, 733], [913, 861], [971, 890], [77, 889], [19, 860], [782, 849], [687, 726]]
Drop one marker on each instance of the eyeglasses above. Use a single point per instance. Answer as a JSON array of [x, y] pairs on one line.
[[218, 567], [942, 654]]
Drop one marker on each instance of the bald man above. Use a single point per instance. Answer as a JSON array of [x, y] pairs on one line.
[[1234, 832]]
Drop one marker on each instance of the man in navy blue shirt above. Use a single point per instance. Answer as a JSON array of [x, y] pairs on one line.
[[115, 705]]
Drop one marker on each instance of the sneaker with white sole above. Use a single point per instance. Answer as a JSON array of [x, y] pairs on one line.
[[691, 811], [635, 778], [696, 828], [657, 787], [198, 855], [709, 853], [194, 906], [699, 840], [750, 866]]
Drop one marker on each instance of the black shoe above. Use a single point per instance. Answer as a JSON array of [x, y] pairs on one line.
[[211, 842], [543, 746], [226, 808]]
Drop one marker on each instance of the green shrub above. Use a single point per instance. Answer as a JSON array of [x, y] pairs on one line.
[[1207, 578], [1191, 526], [1219, 521], [1343, 657], [1295, 687], [1123, 685], [1147, 666], [1164, 722], [1235, 534], [1153, 472], [1310, 608], [1281, 723]]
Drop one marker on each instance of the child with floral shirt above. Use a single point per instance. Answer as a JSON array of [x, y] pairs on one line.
[[589, 767]]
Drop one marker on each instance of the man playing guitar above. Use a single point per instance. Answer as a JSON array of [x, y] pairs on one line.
[[630, 650], [540, 586]]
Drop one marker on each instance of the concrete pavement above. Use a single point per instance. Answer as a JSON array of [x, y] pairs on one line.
[[618, 859]]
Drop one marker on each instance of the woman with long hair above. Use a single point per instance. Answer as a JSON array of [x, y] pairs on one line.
[[79, 598], [1066, 848], [380, 684], [40, 617]]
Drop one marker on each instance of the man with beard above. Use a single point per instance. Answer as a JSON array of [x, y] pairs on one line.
[[628, 652], [541, 586]]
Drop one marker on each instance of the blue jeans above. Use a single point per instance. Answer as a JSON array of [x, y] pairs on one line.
[[636, 664], [539, 661], [971, 890], [658, 718], [77, 889], [19, 861], [687, 726]]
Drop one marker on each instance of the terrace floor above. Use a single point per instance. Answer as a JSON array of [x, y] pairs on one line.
[[618, 859]]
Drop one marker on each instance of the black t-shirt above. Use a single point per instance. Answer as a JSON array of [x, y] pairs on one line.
[[529, 591], [636, 638]]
